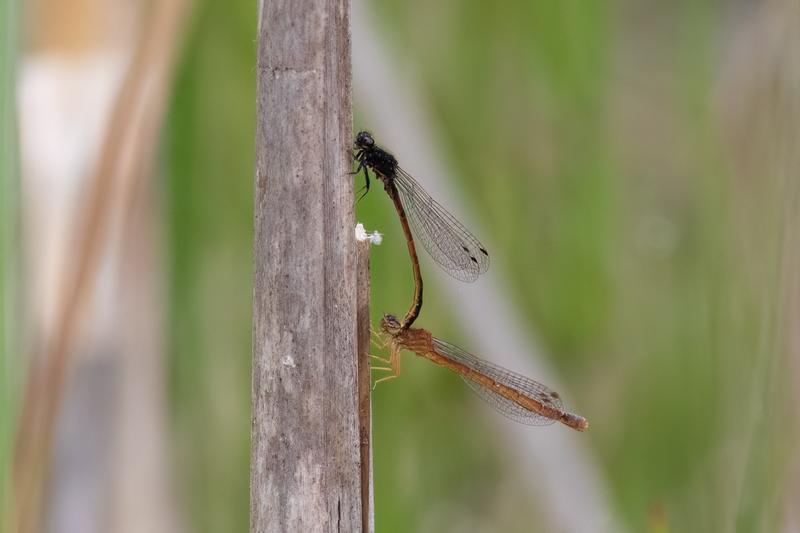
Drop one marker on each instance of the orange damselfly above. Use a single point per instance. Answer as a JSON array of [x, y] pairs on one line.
[[514, 395]]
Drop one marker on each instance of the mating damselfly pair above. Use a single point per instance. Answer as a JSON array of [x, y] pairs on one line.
[[462, 256]]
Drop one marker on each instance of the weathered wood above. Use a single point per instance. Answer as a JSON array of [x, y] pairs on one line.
[[305, 466], [364, 384]]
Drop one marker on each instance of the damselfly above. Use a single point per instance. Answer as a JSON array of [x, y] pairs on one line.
[[514, 395], [450, 244]]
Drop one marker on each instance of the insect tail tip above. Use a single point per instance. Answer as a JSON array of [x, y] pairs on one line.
[[575, 421]]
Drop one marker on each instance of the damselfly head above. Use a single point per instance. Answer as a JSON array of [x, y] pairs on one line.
[[364, 140], [390, 324]]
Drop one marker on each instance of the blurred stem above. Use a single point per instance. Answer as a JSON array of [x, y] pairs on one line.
[[9, 188], [109, 189]]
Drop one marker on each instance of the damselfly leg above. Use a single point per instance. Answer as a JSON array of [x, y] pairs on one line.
[[394, 366]]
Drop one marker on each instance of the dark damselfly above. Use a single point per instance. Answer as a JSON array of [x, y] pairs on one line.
[[450, 244]]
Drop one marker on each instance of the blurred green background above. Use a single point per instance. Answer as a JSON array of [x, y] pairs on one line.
[[633, 167], [9, 242]]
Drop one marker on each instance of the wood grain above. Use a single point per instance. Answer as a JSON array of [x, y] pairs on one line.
[[305, 464], [364, 385]]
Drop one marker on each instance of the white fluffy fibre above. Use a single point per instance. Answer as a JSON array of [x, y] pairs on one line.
[[363, 235]]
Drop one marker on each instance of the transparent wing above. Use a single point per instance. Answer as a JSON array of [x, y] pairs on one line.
[[506, 407], [518, 382], [450, 244]]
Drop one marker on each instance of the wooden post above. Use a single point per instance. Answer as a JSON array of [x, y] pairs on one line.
[[305, 465]]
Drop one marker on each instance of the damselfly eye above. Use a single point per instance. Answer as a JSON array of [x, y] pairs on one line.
[[364, 139], [391, 321]]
